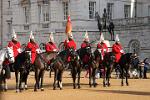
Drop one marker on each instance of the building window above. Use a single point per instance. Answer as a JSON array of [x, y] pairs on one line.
[[92, 9], [26, 14], [110, 10], [45, 13], [66, 10], [127, 11], [45, 1]]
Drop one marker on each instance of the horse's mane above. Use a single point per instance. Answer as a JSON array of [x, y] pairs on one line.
[[21, 57], [125, 58]]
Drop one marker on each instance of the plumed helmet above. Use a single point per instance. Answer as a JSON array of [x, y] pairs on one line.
[[117, 38], [86, 36], [102, 38], [14, 35], [51, 37]]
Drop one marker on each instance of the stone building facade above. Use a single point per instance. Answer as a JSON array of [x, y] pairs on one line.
[[131, 19]]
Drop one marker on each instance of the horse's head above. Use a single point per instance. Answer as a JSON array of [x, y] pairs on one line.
[[134, 58], [112, 57], [27, 56], [88, 50], [10, 54]]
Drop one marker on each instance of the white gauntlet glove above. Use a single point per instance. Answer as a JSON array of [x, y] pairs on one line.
[[99, 50], [121, 51], [55, 50], [19, 50], [38, 51]]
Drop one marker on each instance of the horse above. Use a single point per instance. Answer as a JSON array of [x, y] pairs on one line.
[[76, 67], [125, 64], [22, 66], [40, 64], [5, 54], [58, 67], [92, 64], [108, 64]]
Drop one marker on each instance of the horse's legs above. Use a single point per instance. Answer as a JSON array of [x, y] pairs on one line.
[[90, 76], [36, 79], [17, 80], [5, 85], [26, 77], [42, 75], [108, 73], [127, 77], [50, 73], [93, 75], [60, 83], [73, 71], [104, 77], [79, 72], [20, 81], [122, 76], [55, 79]]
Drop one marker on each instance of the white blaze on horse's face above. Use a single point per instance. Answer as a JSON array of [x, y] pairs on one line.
[[10, 54], [29, 52], [2, 56]]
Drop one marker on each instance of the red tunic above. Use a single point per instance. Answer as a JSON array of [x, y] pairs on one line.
[[86, 58], [70, 44], [84, 44], [116, 48], [50, 47], [103, 47], [33, 47], [15, 47]]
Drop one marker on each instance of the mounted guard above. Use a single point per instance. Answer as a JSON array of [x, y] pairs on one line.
[[15, 47], [33, 47]]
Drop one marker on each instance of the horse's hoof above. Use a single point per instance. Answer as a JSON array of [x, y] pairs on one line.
[[104, 85], [127, 84], [54, 88], [79, 87], [90, 86], [61, 88], [17, 91], [26, 87], [122, 84], [35, 90], [5, 90], [74, 87], [42, 89], [108, 84]]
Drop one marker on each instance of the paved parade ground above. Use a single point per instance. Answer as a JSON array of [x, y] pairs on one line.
[[138, 89]]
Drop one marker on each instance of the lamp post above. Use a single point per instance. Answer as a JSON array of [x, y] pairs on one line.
[[1, 24]]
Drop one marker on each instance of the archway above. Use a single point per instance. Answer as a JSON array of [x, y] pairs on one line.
[[134, 46]]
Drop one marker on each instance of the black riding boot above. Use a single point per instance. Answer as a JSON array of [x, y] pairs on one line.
[[7, 72]]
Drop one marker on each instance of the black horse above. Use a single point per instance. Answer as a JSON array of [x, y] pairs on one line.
[[108, 64], [125, 64], [76, 67], [92, 64], [22, 65]]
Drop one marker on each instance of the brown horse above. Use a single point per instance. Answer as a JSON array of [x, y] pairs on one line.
[[58, 67], [40, 65]]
